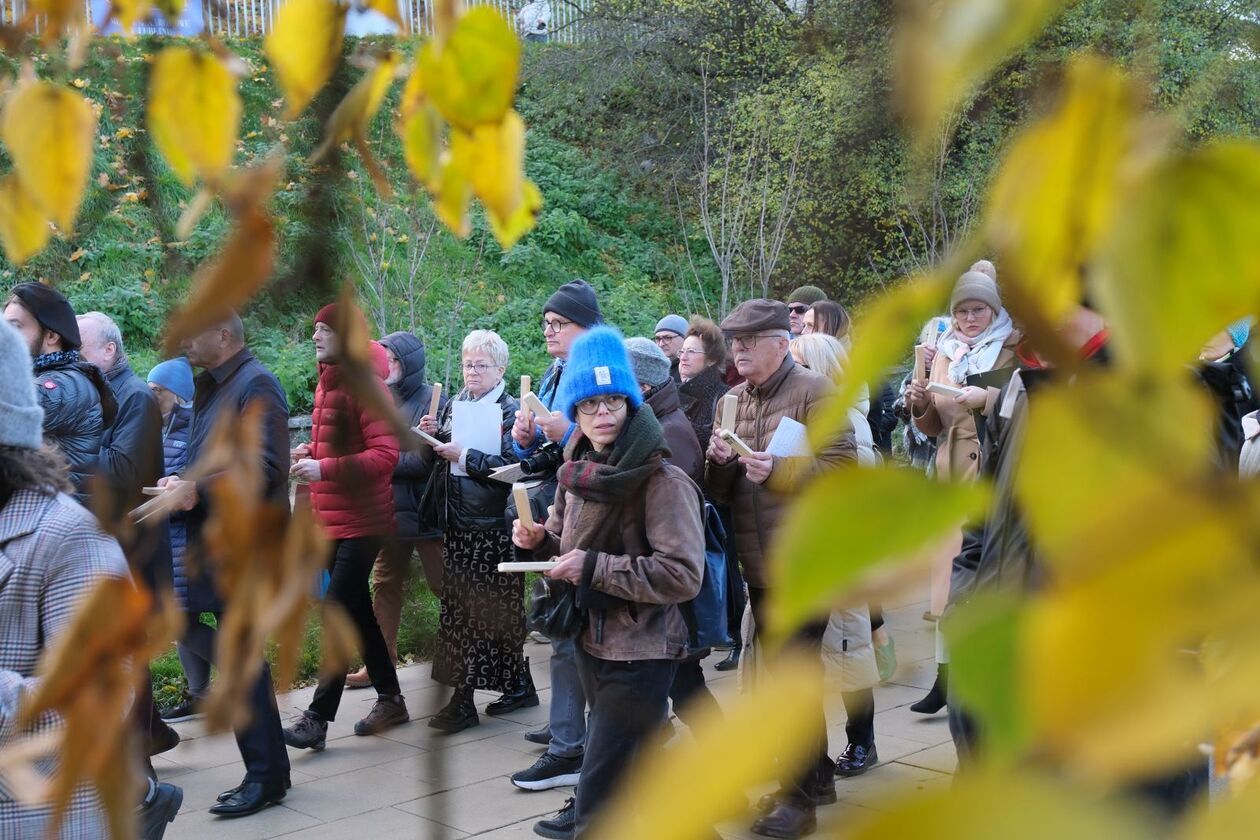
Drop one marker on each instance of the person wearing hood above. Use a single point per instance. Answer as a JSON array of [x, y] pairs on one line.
[[349, 464], [77, 401], [980, 338], [627, 531], [405, 355]]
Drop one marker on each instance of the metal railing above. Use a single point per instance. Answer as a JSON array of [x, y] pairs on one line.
[[246, 18]]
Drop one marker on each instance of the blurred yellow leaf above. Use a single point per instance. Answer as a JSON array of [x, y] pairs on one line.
[[420, 132], [24, 230], [60, 17], [888, 326], [1000, 806], [170, 9], [389, 8], [50, 131], [1183, 261], [682, 793], [454, 187], [850, 523], [472, 78], [349, 120], [1234, 814], [496, 160], [1055, 194], [194, 113], [130, 12], [944, 48], [305, 48], [445, 13], [522, 220]]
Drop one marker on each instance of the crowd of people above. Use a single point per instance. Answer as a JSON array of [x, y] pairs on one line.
[[630, 462]]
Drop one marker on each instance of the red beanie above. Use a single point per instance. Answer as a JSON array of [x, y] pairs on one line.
[[328, 315]]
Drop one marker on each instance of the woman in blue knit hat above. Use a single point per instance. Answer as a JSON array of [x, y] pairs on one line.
[[627, 531]]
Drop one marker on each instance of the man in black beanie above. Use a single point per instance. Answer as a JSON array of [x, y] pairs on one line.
[[78, 404]]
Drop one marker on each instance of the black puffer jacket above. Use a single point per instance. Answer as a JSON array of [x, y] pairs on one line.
[[412, 395], [78, 408], [698, 398], [474, 502]]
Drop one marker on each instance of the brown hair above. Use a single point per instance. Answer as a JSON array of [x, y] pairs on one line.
[[44, 470], [831, 318], [711, 337]]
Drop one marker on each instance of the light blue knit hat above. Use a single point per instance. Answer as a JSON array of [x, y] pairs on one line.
[[598, 364], [176, 376]]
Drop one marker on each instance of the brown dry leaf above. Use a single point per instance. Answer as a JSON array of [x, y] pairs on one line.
[[349, 121], [60, 17], [49, 131], [445, 13]]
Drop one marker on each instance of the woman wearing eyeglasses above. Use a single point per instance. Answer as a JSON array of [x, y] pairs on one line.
[[481, 630], [627, 531], [981, 338]]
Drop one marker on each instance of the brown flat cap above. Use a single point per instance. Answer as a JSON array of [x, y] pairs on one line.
[[756, 315]]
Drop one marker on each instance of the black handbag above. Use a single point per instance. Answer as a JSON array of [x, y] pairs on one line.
[[553, 610]]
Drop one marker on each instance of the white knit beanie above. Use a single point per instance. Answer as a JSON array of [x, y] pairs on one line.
[[21, 418]]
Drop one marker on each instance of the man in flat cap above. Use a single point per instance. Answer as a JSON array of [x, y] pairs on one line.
[[758, 488], [77, 401]]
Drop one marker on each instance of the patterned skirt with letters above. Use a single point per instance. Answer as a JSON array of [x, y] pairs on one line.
[[481, 632]]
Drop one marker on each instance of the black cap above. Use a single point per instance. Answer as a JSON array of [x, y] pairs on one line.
[[52, 310], [576, 301]]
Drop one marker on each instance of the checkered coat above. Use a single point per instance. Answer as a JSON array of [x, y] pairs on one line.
[[51, 554]]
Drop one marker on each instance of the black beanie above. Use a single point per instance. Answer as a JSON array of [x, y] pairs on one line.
[[52, 310], [576, 301]]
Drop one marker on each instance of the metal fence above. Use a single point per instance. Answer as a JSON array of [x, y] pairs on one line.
[[245, 18]]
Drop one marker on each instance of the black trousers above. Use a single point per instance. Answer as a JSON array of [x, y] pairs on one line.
[[691, 696], [352, 561], [629, 701], [859, 708], [800, 783]]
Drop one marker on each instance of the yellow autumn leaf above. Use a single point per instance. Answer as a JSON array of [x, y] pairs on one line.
[[508, 231], [472, 78], [1183, 261], [497, 158], [24, 230], [305, 48], [130, 12], [60, 17], [944, 48], [682, 793], [388, 8], [420, 130], [1056, 191], [50, 131], [194, 113], [987, 804], [454, 192], [170, 9], [349, 120]]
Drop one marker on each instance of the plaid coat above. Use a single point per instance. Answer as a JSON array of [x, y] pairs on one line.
[[51, 554]]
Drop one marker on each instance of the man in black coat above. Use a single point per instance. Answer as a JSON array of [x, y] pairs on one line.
[[413, 396], [232, 379], [78, 404]]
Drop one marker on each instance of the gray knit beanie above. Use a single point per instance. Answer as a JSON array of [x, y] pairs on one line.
[[21, 418], [975, 286], [649, 362]]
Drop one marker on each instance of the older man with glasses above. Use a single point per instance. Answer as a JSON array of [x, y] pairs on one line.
[[669, 335], [759, 487]]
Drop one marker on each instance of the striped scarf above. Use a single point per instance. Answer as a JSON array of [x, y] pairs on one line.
[[615, 474]]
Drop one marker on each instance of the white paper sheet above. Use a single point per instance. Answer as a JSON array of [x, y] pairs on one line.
[[477, 425], [790, 440]]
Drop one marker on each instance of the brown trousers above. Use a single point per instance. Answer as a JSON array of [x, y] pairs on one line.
[[389, 578]]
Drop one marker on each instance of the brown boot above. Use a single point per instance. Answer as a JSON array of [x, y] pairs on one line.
[[358, 679], [388, 711]]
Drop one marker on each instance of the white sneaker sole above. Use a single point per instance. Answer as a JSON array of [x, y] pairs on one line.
[[548, 784]]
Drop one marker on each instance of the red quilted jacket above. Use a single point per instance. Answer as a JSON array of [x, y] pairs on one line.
[[356, 453]]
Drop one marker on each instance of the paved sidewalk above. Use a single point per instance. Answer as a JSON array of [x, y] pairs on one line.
[[415, 782]]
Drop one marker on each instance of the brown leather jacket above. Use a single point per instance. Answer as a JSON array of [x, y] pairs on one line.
[[791, 391], [656, 563]]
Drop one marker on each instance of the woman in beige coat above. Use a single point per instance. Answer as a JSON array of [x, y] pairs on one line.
[[981, 338]]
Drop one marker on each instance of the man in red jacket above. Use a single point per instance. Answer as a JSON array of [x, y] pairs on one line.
[[349, 465]]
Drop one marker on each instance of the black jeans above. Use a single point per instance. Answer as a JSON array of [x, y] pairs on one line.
[[859, 707], [691, 696], [352, 561], [629, 701], [800, 783]]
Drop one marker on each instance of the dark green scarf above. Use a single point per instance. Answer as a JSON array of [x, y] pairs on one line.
[[615, 474]]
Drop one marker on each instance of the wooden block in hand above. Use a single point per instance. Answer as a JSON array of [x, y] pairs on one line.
[[521, 496], [436, 401], [535, 405], [737, 444], [527, 385], [920, 363], [730, 406]]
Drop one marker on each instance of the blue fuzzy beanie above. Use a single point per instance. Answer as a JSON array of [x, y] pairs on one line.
[[176, 376], [598, 364]]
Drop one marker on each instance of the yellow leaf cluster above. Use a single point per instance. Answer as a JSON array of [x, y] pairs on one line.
[[49, 131], [194, 113], [24, 231]]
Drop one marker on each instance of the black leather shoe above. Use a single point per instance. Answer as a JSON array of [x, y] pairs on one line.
[[787, 820], [230, 792], [730, 663], [250, 798], [935, 699], [459, 714], [522, 697], [856, 760]]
